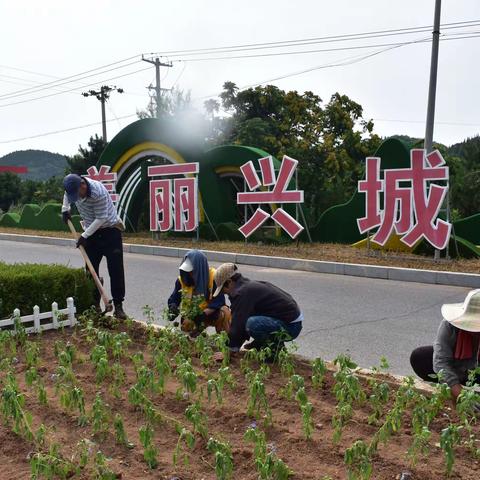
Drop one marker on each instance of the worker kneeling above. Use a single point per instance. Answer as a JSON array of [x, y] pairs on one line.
[[455, 355], [196, 280], [260, 310]]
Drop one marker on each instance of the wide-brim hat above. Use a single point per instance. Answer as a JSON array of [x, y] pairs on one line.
[[466, 315]]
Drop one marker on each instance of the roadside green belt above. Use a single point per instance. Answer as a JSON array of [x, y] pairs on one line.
[[25, 285]]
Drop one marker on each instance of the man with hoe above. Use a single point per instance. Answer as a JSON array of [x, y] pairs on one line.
[[102, 235], [260, 310]]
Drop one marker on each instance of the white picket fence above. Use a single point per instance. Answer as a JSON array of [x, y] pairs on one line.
[[39, 322]]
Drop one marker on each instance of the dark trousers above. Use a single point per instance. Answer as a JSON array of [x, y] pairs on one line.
[[107, 242], [421, 360]]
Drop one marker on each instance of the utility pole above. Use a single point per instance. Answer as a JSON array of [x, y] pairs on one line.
[[103, 95], [432, 89], [158, 89], [432, 92]]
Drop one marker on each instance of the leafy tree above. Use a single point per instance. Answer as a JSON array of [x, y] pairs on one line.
[[10, 190], [464, 162], [86, 157], [50, 190], [172, 104], [330, 140]]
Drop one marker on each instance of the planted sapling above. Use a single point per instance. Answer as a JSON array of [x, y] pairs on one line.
[[186, 439], [198, 419], [99, 416], [358, 461], [187, 377], [319, 370], [449, 439], [223, 458], [269, 466]]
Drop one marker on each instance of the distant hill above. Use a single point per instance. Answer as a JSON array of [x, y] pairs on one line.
[[40, 163]]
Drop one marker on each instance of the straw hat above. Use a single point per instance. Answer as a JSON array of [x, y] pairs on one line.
[[466, 315]]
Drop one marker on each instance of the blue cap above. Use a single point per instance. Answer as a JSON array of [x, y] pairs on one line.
[[71, 183]]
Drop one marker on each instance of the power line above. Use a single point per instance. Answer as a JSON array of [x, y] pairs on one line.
[[325, 39], [48, 85], [76, 88], [323, 50], [65, 130]]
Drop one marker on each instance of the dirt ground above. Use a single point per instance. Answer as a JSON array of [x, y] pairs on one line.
[[313, 251], [316, 459]]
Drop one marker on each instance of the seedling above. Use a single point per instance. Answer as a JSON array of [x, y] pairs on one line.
[[187, 377], [420, 444], [319, 370], [99, 416], [198, 419], [101, 469], [258, 401], [186, 439], [51, 465], [223, 458], [32, 354], [99, 358], [286, 362], [358, 461], [449, 439], [72, 398], [12, 403], [120, 343], [146, 379], [294, 384], [118, 379], [269, 466], [205, 351], [221, 342], [162, 369], [306, 408], [31, 376], [120, 434]]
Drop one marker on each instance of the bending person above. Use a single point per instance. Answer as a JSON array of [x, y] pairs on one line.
[[196, 278], [456, 350], [103, 232], [260, 310]]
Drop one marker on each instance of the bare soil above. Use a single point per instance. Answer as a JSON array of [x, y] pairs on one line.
[[330, 252], [314, 459]]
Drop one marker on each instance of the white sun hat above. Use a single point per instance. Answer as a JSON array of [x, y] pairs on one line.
[[187, 265], [466, 315]]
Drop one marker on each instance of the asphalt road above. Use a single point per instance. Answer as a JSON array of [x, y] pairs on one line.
[[367, 318]]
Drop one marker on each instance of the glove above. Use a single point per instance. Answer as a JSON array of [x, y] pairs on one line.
[[66, 216], [173, 312], [82, 241]]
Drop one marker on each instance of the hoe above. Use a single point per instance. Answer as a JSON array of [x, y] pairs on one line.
[[107, 303]]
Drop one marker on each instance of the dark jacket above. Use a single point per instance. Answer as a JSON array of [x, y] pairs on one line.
[[252, 298], [454, 371]]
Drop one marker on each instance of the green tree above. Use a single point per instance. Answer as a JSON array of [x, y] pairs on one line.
[[50, 190], [172, 104], [10, 190], [330, 140], [464, 162], [86, 157]]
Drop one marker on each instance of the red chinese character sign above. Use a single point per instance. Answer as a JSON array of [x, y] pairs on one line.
[[105, 176], [278, 193], [410, 210], [173, 203]]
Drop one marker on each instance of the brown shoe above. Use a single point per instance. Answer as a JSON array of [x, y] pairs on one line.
[[118, 312]]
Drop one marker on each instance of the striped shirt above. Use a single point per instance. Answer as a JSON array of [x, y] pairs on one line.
[[97, 205]]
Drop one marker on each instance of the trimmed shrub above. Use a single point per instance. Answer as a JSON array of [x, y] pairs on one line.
[[24, 285]]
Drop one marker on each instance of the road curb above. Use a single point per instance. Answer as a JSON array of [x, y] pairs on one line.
[[432, 277]]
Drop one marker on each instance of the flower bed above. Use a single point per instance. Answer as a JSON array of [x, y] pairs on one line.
[[134, 402]]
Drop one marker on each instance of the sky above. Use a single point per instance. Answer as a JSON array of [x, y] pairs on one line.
[[44, 41]]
